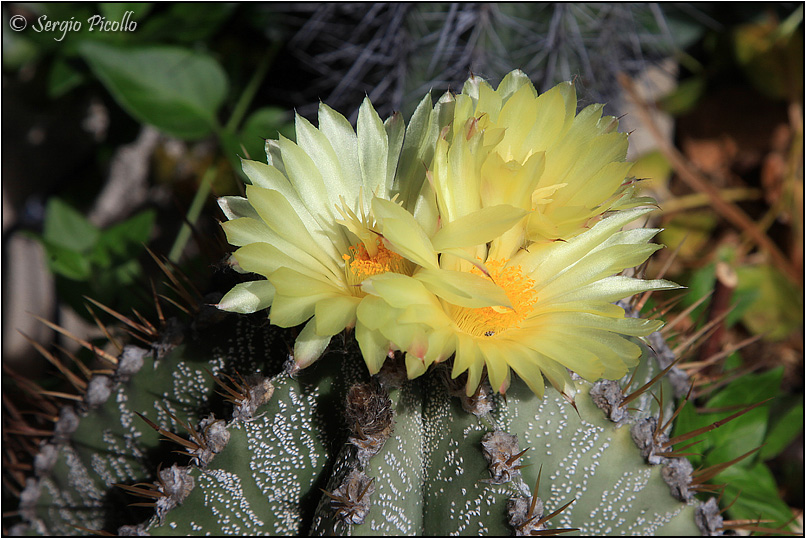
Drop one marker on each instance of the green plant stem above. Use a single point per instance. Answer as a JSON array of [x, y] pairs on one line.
[[226, 137], [251, 89], [193, 214]]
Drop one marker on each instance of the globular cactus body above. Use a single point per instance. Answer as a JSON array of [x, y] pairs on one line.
[[405, 457]]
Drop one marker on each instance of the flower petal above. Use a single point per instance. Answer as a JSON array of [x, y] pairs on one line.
[[418, 149], [404, 234], [556, 374], [614, 288], [316, 144], [245, 230], [277, 212], [304, 176], [294, 283], [524, 363], [495, 358], [478, 227], [265, 259], [235, 207], [415, 366], [309, 346], [542, 263], [374, 347], [399, 291], [637, 327], [373, 312], [248, 297], [463, 289], [344, 142], [468, 359], [594, 267], [373, 150], [334, 314], [395, 130]]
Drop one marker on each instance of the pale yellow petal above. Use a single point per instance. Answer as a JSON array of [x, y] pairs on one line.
[[463, 289], [403, 233], [276, 211], [559, 348], [315, 144], [614, 288], [290, 282], [265, 259], [344, 142], [478, 227], [290, 311], [398, 290], [395, 131], [546, 262], [495, 358], [512, 82], [334, 314], [441, 345], [594, 267], [304, 176], [248, 297], [374, 312], [373, 150], [637, 327], [235, 207], [556, 374], [415, 366], [524, 363], [309, 346], [374, 347]]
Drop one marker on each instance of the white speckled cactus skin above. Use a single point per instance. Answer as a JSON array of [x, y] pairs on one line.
[[313, 460]]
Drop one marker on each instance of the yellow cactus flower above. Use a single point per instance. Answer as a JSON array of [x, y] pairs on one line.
[[501, 260], [511, 145], [557, 313], [307, 227], [513, 173]]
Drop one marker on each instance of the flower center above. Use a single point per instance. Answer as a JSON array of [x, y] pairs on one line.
[[491, 321], [359, 265]]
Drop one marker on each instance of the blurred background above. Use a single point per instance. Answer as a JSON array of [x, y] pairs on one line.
[[122, 122]]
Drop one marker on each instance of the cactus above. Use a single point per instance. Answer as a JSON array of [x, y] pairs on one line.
[[228, 442], [217, 427]]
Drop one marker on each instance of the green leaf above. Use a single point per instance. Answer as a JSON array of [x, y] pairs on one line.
[[175, 89], [690, 233], [689, 420], [124, 241], [683, 98], [185, 22], [126, 238], [759, 494], [700, 284], [66, 227], [264, 124], [775, 306], [746, 432], [784, 427], [771, 56], [18, 49], [67, 262], [62, 78], [115, 11]]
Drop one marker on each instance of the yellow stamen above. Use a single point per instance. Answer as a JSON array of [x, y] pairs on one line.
[[360, 265], [492, 321]]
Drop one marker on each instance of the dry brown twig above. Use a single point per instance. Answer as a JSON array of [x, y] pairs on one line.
[[695, 180]]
